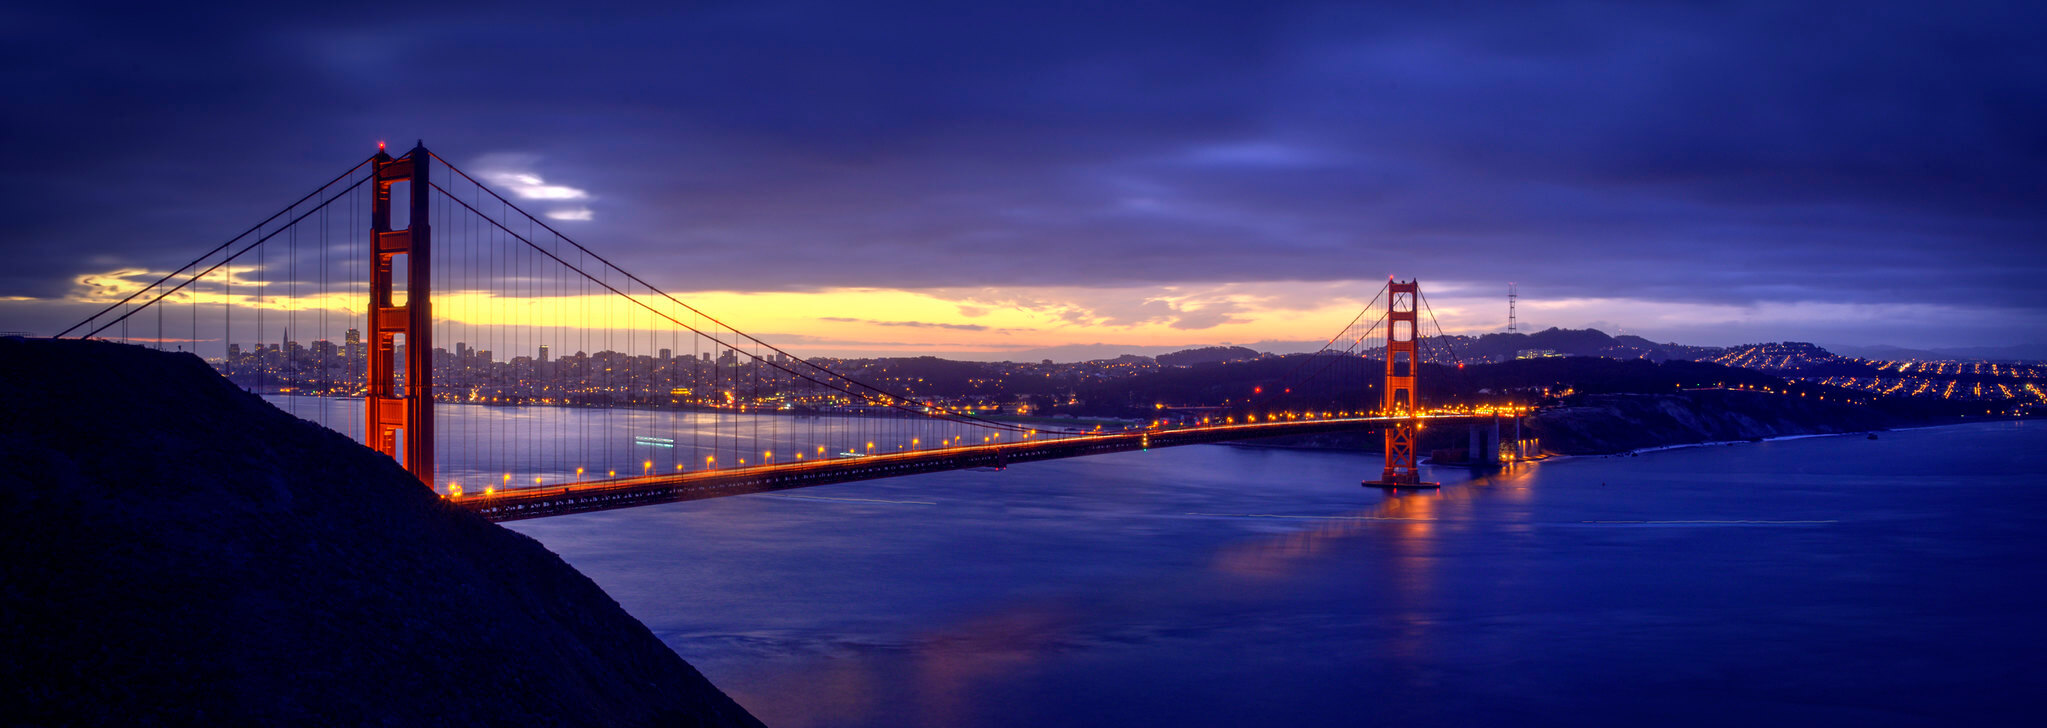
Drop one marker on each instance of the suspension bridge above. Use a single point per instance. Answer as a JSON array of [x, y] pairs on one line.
[[574, 385]]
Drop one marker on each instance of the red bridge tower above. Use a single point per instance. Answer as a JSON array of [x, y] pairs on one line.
[[401, 411], [1401, 400]]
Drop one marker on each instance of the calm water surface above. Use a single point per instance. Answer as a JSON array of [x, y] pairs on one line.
[[1811, 582]]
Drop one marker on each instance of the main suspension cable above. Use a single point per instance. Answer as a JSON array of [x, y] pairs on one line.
[[202, 258]]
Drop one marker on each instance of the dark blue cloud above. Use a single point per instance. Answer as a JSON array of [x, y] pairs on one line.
[[1700, 152]]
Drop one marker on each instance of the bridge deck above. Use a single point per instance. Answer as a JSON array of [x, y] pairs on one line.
[[649, 490]]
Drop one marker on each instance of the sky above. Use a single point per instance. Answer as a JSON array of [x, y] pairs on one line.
[[1069, 180]]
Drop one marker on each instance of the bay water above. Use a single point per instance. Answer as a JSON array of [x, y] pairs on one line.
[[1818, 581], [1812, 581]]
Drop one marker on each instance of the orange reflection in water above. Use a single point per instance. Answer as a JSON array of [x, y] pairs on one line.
[[945, 667], [983, 650], [1410, 516]]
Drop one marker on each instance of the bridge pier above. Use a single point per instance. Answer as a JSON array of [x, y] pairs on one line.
[[1401, 471], [1485, 445]]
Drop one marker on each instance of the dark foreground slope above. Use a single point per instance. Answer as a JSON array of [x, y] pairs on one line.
[[180, 552]]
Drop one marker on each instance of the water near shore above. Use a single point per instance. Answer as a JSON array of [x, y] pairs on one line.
[[1811, 581]]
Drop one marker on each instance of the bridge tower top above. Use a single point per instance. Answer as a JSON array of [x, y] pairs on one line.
[[1402, 333]]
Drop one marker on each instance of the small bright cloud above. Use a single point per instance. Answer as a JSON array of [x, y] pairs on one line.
[[514, 173], [549, 192], [577, 214]]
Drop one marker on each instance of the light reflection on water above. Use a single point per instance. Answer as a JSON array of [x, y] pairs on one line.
[[1879, 582]]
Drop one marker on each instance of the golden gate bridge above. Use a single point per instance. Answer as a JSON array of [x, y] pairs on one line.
[[710, 410]]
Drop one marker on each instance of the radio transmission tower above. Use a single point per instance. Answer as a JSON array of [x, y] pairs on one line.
[[1513, 292]]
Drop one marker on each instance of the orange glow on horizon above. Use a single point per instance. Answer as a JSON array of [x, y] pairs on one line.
[[868, 321]]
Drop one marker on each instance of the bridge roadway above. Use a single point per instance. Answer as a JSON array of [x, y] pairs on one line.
[[521, 503]]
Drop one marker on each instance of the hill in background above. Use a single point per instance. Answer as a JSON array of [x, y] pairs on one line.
[[1207, 355]]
